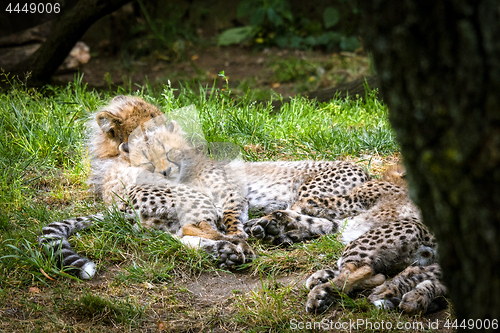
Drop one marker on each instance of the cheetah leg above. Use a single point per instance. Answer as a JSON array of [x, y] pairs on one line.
[[202, 229], [233, 199], [371, 282], [323, 295], [418, 300], [232, 221], [351, 277], [288, 227], [228, 250], [341, 204]]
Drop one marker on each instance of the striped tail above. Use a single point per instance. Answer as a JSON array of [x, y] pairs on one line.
[[54, 239]]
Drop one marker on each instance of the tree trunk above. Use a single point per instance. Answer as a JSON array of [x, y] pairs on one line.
[[66, 31], [439, 69]]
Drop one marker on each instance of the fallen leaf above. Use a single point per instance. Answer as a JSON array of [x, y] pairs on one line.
[[34, 290], [148, 285], [161, 326]]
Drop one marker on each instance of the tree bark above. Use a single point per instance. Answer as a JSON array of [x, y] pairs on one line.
[[439, 69], [66, 31]]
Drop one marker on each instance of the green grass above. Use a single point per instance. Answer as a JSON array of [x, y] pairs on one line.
[[102, 309], [44, 165]]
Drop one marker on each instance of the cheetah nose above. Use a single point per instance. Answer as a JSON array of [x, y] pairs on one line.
[[166, 173]]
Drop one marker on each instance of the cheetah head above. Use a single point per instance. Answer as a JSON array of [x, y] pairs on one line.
[[156, 146], [114, 123]]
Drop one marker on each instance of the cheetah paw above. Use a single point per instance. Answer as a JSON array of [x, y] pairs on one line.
[[424, 297], [320, 298], [245, 248], [279, 228], [266, 228], [414, 302], [228, 254], [321, 276], [286, 227]]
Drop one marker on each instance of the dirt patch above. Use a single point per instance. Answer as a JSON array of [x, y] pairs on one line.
[[105, 276], [216, 287], [286, 72]]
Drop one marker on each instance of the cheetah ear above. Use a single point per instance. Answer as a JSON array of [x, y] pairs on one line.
[[124, 150], [173, 127], [119, 98], [108, 122]]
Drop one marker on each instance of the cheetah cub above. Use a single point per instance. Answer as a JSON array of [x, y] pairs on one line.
[[141, 192], [386, 249], [384, 235]]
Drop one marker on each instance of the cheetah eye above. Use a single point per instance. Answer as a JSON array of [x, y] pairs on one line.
[[278, 214], [125, 147], [148, 166]]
